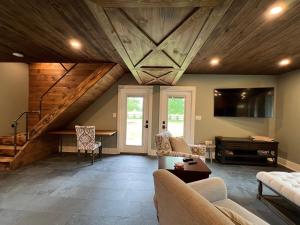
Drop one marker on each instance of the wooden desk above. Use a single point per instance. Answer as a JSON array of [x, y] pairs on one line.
[[99, 133]]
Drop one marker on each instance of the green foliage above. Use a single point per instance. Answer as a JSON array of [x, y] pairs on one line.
[[176, 106], [134, 104]]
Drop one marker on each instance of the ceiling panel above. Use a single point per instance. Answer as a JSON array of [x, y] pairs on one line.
[[245, 40]]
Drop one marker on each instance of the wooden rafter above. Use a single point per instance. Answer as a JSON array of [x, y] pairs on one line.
[[146, 58], [214, 18], [105, 22]]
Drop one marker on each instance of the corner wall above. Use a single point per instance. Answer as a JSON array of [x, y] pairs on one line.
[[13, 94], [288, 116]]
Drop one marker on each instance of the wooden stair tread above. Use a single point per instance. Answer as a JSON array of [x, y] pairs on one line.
[[9, 147], [6, 159]]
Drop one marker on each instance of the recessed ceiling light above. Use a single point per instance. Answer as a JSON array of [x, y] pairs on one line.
[[75, 44], [284, 62], [276, 10], [214, 62], [18, 54]]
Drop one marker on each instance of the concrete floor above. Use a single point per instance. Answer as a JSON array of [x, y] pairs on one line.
[[117, 190]]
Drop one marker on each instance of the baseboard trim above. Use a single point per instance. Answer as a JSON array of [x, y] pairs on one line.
[[111, 151], [289, 164]]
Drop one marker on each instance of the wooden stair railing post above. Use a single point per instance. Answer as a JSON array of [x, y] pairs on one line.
[[67, 71], [15, 127]]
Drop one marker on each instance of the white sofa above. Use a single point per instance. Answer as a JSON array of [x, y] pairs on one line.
[[284, 183], [178, 203]]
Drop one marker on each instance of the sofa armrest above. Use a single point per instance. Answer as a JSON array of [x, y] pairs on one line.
[[213, 189], [198, 149]]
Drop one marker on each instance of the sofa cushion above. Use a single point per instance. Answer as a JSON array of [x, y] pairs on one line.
[[233, 216], [163, 143], [179, 145], [227, 203], [286, 184]]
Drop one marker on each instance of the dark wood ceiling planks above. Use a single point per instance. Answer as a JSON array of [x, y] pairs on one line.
[[41, 31], [245, 41]]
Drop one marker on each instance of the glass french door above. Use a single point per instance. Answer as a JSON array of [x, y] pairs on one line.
[[177, 111], [135, 103]]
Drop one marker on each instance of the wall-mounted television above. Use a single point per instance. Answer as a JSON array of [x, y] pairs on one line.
[[244, 102]]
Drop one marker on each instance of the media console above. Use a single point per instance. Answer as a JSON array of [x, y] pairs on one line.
[[246, 151]]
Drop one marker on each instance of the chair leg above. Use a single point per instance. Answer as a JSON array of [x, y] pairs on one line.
[[93, 157], [100, 152], [78, 156], [85, 153]]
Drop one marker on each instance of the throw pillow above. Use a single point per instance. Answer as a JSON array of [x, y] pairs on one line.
[[162, 142], [233, 216], [179, 145]]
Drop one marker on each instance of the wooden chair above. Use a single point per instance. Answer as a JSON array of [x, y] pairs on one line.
[[86, 141]]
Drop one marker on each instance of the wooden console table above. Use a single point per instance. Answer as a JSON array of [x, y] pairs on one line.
[[246, 151], [99, 133]]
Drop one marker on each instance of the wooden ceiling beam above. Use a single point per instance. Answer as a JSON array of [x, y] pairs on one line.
[[156, 3], [216, 15], [176, 50], [199, 12], [109, 30]]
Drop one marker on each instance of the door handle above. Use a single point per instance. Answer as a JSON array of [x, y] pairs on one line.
[[164, 125]]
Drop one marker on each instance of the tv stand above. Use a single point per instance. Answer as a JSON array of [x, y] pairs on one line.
[[246, 151]]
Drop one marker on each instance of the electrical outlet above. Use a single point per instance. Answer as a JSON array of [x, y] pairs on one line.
[[198, 117]]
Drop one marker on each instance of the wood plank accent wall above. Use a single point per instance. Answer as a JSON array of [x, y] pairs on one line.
[[79, 99], [43, 75]]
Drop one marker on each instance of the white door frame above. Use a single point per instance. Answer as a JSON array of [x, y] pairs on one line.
[[148, 90], [180, 89]]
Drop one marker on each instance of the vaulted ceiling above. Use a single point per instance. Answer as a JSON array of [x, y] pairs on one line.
[[244, 39]]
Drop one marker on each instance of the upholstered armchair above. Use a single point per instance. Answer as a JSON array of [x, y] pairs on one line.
[[86, 141], [164, 147]]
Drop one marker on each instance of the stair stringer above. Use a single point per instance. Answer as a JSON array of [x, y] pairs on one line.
[[40, 145]]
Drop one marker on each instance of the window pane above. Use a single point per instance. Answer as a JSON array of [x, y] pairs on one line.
[[176, 107], [134, 123]]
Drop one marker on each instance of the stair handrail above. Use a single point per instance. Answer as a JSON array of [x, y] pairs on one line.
[[14, 125], [54, 84]]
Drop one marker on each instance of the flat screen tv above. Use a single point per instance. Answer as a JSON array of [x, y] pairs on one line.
[[244, 102]]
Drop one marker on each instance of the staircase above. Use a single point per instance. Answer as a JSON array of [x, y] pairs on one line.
[[7, 149], [40, 144]]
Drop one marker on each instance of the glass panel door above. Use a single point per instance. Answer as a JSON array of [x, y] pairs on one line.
[[176, 114], [134, 123], [134, 118], [177, 111]]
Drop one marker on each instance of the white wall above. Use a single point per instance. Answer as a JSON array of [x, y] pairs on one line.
[[211, 126], [13, 94], [288, 116], [100, 112]]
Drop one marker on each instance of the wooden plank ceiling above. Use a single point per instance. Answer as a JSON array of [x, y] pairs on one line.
[[244, 39]]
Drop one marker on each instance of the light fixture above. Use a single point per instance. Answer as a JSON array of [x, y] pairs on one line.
[[275, 10], [75, 44], [284, 62], [18, 54], [214, 61]]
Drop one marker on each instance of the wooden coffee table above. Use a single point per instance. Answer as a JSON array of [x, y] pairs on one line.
[[190, 173]]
